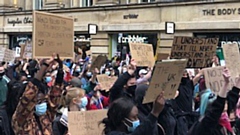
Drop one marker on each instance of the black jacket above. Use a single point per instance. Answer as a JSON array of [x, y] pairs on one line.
[[145, 128], [209, 124], [117, 89]]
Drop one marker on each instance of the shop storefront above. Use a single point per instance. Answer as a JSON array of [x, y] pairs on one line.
[[120, 42]]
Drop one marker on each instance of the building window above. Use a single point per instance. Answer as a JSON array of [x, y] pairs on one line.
[[146, 1], [86, 3], [18, 40], [37, 4], [120, 42]]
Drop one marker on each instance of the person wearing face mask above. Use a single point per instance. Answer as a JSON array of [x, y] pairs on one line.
[[36, 109], [183, 103], [125, 85], [77, 71], [3, 86], [122, 118], [97, 100], [74, 100]]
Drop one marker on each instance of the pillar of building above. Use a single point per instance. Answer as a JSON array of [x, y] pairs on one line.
[[4, 40], [28, 4], [100, 43], [75, 3]]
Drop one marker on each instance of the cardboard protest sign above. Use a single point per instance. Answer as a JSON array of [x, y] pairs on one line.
[[232, 59], [162, 56], [6, 55], [52, 34], [142, 54], [18, 52], [198, 51], [166, 77], [106, 81], [214, 79], [26, 50], [86, 122], [98, 62]]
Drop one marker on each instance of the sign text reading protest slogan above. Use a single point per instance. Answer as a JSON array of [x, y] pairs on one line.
[[199, 51]]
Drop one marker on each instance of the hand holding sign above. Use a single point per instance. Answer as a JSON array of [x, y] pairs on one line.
[[158, 105], [226, 75]]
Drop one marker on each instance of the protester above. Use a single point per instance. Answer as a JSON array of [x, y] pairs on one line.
[[214, 117], [37, 107], [122, 118], [74, 100]]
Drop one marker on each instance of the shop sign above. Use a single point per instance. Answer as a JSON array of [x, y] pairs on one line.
[[132, 39], [130, 16], [25, 20], [221, 11], [81, 39], [230, 42]]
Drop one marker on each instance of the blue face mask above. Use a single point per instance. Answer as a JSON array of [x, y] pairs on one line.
[[89, 74], [134, 124], [84, 102], [78, 70], [41, 109], [107, 72], [48, 79]]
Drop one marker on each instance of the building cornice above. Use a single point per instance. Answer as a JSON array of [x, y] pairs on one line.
[[116, 7]]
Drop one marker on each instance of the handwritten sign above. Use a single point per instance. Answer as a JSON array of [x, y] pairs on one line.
[[198, 51], [52, 34], [106, 81], [98, 62], [214, 79], [166, 77], [26, 50], [142, 54], [86, 122], [6, 55], [232, 59]]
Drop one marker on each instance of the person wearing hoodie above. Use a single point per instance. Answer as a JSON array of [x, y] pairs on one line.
[[214, 110], [183, 103], [125, 85]]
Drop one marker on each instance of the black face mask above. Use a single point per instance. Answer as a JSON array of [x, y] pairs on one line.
[[131, 90], [2, 74], [184, 80]]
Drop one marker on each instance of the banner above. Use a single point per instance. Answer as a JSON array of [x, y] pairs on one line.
[[52, 34], [142, 54], [232, 59], [86, 122], [198, 51], [166, 77]]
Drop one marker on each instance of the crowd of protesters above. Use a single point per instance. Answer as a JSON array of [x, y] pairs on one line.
[[36, 96]]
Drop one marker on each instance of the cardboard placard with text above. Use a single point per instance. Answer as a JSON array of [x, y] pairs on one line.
[[166, 77], [52, 34], [26, 50], [198, 51], [142, 54], [162, 56], [98, 62], [86, 122], [214, 79], [7, 55], [106, 81], [232, 59]]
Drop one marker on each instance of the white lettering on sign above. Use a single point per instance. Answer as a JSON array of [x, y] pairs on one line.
[[132, 39], [230, 42]]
